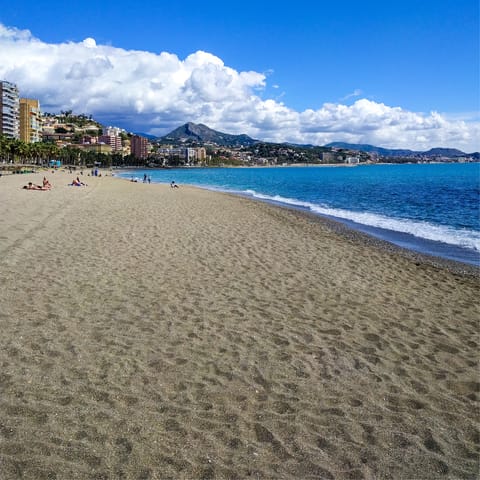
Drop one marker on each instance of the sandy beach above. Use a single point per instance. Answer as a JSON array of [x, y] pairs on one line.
[[158, 333]]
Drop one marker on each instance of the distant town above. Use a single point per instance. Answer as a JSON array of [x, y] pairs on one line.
[[30, 137]]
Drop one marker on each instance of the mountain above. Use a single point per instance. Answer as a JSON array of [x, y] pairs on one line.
[[193, 133], [386, 152], [445, 152], [199, 133]]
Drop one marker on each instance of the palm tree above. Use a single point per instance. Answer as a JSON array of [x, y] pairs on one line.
[[3, 148], [49, 152], [14, 148], [35, 152]]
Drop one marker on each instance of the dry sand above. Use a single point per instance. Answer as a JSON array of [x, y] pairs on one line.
[[147, 332]]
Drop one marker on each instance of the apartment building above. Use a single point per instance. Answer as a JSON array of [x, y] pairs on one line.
[[139, 146], [30, 120], [113, 140], [201, 154], [9, 110], [115, 131], [191, 156]]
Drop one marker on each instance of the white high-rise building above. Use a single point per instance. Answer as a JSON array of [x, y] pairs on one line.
[[113, 131], [9, 110]]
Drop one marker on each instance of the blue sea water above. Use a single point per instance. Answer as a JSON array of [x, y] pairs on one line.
[[430, 208]]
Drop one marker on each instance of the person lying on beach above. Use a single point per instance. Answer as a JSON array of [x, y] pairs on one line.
[[46, 183], [77, 183], [32, 186]]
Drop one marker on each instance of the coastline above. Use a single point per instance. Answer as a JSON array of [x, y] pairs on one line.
[[156, 332], [357, 236], [434, 249]]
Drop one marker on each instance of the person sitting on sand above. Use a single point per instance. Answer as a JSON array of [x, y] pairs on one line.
[[46, 183], [32, 186], [173, 184], [77, 183]]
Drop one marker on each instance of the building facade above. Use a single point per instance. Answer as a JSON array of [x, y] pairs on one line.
[[113, 140], [115, 131], [9, 110], [139, 146], [30, 120]]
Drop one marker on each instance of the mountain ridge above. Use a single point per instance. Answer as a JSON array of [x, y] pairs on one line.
[[192, 133], [387, 152]]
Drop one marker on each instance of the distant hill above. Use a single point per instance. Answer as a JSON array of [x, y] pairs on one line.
[[445, 152], [386, 152], [69, 118], [199, 133]]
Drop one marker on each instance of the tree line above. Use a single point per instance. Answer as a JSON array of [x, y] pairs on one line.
[[15, 153]]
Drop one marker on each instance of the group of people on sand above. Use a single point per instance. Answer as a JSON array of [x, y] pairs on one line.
[[76, 182], [148, 179], [32, 186]]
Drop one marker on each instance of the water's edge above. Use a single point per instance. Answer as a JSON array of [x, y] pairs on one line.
[[370, 236]]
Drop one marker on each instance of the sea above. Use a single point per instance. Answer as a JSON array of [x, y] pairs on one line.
[[428, 208]]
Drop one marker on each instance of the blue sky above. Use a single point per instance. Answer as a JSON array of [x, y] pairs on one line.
[[413, 58]]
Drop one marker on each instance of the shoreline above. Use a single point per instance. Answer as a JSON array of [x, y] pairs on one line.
[[457, 266], [357, 235], [155, 332]]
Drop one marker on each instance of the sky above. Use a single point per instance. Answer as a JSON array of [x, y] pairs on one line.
[[396, 74]]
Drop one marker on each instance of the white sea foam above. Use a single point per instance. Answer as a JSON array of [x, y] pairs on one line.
[[424, 230]]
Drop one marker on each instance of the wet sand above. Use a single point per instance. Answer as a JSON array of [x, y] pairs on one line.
[[150, 332]]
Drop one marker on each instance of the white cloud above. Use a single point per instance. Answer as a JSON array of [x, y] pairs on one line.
[[356, 93], [90, 43], [155, 93]]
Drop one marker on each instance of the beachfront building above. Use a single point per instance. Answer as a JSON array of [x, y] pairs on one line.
[[190, 155], [352, 160], [113, 140], [201, 154], [195, 155], [327, 157], [30, 120], [182, 155], [9, 110], [139, 146]]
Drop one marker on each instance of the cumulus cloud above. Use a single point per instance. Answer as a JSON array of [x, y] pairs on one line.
[[154, 93]]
